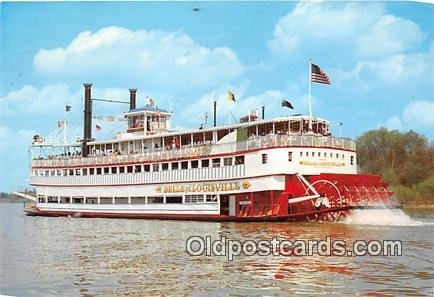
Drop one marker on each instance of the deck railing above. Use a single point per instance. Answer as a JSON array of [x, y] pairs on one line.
[[202, 150], [182, 175]]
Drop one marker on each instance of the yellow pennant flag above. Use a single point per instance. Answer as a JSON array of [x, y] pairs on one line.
[[231, 96]]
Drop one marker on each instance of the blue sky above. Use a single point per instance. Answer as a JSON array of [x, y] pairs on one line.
[[379, 56]]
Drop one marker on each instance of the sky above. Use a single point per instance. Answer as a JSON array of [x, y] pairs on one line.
[[378, 55]]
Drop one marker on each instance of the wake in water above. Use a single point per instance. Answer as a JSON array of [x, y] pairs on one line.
[[382, 217]]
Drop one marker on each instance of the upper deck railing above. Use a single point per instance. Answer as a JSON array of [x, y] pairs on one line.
[[201, 150]]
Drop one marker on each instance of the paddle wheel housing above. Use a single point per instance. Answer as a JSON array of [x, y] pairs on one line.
[[329, 197]]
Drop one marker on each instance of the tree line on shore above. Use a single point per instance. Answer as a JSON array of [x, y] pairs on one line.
[[404, 159]]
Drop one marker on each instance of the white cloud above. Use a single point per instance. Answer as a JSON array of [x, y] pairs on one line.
[[363, 28], [399, 68], [419, 114], [321, 22], [29, 100], [149, 56], [390, 35], [393, 123]]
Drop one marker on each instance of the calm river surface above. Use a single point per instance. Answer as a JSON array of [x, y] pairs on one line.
[[119, 257]]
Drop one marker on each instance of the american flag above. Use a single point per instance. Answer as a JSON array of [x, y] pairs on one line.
[[318, 76]]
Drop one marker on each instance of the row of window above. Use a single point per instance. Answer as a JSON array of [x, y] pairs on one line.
[[204, 163], [324, 155], [197, 198]]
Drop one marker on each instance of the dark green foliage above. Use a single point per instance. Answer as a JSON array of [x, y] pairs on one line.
[[405, 160]]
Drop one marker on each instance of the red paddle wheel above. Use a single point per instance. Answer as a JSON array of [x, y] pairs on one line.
[[330, 197]]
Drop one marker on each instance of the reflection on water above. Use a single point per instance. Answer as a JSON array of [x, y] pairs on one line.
[[99, 257]]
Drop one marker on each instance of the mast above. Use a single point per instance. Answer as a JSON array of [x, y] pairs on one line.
[[309, 98]]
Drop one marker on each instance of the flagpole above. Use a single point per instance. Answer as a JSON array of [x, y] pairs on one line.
[[64, 128], [310, 88]]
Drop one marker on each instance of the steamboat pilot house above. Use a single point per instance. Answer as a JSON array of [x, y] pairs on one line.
[[286, 168]]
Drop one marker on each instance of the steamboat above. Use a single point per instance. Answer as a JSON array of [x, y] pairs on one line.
[[283, 169]]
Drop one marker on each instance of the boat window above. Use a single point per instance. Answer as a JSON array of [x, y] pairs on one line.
[[71, 172], [155, 199], [313, 154], [352, 160], [106, 170], [51, 199], [105, 200], [264, 158], [121, 200], [227, 161], [147, 167], [175, 199], [175, 166], [184, 165], [121, 169], [165, 166], [307, 154], [91, 200], [84, 171], [129, 169], [301, 154], [77, 200], [65, 200], [216, 162], [205, 163], [325, 155], [138, 200], [77, 171], [193, 198], [114, 170], [155, 167], [239, 160], [343, 156], [337, 156], [319, 154], [211, 198], [65, 172], [194, 163], [138, 168], [290, 156], [98, 170]]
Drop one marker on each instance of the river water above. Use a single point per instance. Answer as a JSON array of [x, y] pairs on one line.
[[120, 257]]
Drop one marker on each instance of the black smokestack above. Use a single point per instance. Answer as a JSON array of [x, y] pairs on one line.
[[87, 131], [263, 112], [133, 98]]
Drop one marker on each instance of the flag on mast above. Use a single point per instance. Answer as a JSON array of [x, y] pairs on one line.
[[286, 103], [231, 96], [318, 76], [67, 107]]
